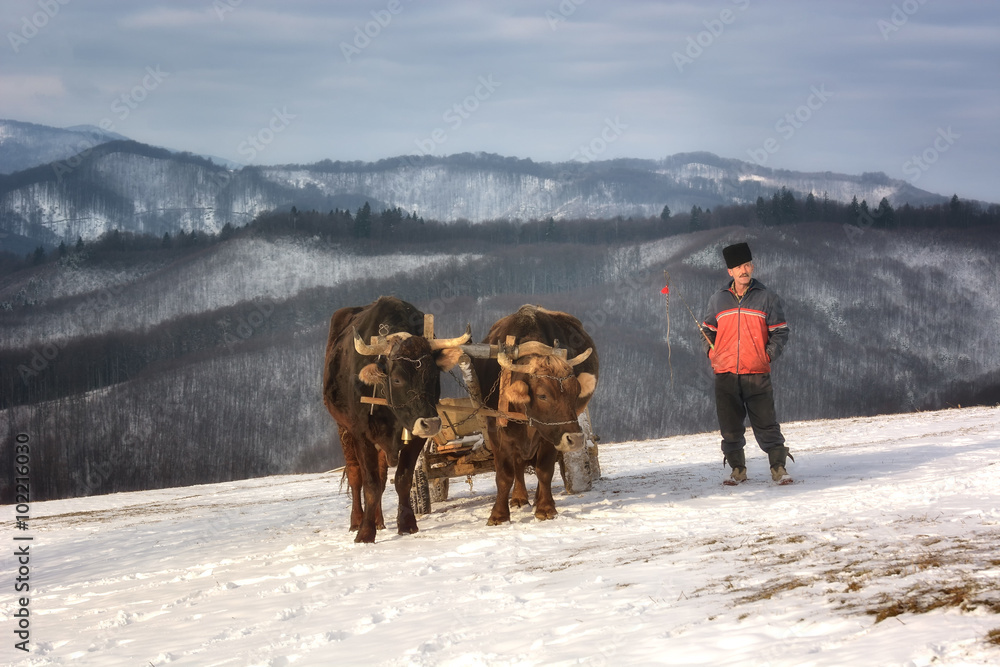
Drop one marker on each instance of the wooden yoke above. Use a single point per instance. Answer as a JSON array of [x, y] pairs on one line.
[[428, 334], [429, 326], [502, 402]]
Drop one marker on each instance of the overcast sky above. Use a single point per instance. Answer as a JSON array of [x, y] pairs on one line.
[[910, 88]]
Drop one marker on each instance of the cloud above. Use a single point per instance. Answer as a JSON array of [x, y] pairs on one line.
[[565, 66]]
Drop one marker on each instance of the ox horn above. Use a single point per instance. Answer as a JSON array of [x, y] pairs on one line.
[[508, 365], [536, 347], [398, 336], [580, 358], [442, 343], [368, 350]]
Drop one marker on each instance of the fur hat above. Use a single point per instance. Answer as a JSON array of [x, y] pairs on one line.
[[736, 255]]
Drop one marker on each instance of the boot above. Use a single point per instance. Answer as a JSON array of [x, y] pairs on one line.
[[738, 462], [776, 458]]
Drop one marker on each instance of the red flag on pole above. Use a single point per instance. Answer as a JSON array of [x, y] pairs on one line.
[[665, 290]]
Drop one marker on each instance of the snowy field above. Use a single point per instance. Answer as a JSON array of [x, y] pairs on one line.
[[886, 551]]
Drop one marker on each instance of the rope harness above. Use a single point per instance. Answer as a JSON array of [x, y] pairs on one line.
[[478, 403], [481, 404]]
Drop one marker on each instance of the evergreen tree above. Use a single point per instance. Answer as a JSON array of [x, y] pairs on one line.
[[695, 221], [363, 222], [762, 212], [956, 212], [789, 208], [854, 210], [812, 208], [79, 243], [39, 255], [884, 215], [165, 243], [62, 249], [665, 213]]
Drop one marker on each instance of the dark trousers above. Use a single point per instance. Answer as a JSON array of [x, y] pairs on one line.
[[736, 397]]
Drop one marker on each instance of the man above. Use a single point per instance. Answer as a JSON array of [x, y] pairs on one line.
[[746, 330]]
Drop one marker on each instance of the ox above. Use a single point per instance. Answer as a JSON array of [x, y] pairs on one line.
[[405, 372], [550, 390]]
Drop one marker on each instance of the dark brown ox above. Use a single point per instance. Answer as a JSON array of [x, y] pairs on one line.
[[402, 367], [550, 390]]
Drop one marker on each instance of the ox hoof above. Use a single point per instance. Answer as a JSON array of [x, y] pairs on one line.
[[518, 502], [545, 514], [497, 520], [407, 528], [365, 537]]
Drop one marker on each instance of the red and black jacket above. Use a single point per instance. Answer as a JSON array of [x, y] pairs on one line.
[[748, 333]]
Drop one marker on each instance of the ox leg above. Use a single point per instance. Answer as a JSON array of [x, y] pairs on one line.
[[406, 521], [503, 460], [353, 471], [545, 465], [383, 474], [372, 487], [519, 498]]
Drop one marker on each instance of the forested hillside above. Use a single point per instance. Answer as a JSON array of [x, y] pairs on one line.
[[148, 364], [133, 187]]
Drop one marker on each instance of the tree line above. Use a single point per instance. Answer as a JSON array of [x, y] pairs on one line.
[[365, 229]]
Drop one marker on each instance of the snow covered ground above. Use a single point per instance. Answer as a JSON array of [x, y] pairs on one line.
[[886, 551]]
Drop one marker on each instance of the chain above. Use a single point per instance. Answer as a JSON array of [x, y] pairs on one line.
[[480, 405], [414, 395], [416, 362]]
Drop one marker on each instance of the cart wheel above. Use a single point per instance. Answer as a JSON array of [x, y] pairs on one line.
[[579, 469], [420, 495], [439, 489]]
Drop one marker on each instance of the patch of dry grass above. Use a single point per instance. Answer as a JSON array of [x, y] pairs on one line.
[[924, 600], [771, 589]]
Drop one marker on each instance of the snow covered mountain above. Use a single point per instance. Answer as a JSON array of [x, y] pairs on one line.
[[26, 145], [882, 553], [132, 187]]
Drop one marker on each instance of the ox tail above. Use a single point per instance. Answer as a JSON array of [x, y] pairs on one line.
[[343, 476]]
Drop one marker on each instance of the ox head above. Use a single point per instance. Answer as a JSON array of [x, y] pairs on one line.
[[408, 370], [546, 388]]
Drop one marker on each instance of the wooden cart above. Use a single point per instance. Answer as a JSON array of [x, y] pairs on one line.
[[463, 448]]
